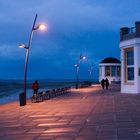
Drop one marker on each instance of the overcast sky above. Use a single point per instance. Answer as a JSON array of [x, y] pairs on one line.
[[90, 27]]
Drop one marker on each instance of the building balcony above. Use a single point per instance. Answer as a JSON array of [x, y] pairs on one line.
[[127, 33]]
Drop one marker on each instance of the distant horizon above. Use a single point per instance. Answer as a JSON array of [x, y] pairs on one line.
[[47, 79]]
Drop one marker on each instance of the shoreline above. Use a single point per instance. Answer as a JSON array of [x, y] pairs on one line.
[[30, 93]]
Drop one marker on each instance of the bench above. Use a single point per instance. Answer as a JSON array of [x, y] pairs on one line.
[[41, 96]]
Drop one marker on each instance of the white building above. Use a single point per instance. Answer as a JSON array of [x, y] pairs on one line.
[[130, 59], [110, 68]]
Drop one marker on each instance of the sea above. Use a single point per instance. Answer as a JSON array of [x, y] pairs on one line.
[[11, 89]]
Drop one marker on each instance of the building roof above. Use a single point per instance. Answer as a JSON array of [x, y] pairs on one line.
[[127, 33], [111, 60]]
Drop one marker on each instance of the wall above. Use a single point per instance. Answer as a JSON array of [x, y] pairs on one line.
[[135, 86]]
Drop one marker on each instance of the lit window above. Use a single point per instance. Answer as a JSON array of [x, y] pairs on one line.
[[130, 57], [129, 65], [107, 71]]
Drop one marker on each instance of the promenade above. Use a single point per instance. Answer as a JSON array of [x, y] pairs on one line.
[[84, 114]]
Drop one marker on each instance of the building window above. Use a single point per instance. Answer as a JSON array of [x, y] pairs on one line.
[[129, 65], [130, 73], [130, 57], [118, 71], [100, 70], [113, 71], [107, 71]]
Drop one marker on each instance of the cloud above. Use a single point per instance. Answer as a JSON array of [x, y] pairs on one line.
[[74, 27], [68, 14], [10, 52]]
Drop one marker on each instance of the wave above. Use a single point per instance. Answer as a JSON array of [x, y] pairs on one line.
[[10, 89]]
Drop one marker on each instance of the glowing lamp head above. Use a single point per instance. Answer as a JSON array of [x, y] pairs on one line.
[[22, 46], [42, 27], [76, 65], [83, 57]]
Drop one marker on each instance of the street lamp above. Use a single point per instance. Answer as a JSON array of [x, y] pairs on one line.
[[34, 28], [90, 71], [77, 69]]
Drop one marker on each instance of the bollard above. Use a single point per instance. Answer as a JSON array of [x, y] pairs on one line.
[[22, 100], [76, 86]]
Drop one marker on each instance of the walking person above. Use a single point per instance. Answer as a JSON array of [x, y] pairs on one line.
[[103, 83], [35, 87], [106, 83]]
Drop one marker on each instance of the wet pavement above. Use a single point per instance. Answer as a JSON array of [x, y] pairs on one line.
[[83, 114]]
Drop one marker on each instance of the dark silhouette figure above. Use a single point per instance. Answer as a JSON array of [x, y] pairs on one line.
[[103, 83], [106, 83], [35, 87]]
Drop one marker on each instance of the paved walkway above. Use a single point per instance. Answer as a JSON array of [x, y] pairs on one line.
[[84, 114]]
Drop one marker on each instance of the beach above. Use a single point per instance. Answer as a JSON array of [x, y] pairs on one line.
[[83, 114]]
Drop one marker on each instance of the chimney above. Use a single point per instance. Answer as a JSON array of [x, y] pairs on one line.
[[123, 31], [137, 25]]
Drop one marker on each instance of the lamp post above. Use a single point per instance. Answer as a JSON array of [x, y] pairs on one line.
[[77, 69], [90, 72], [41, 27]]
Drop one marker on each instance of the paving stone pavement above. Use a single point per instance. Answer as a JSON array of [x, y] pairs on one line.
[[83, 114]]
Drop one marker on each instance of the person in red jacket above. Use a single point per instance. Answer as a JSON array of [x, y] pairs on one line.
[[35, 87]]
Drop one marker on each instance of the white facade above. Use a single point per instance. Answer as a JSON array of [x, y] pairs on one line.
[[130, 80], [111, 77]]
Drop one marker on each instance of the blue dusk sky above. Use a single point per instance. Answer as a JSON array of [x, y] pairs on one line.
[[90, 27]]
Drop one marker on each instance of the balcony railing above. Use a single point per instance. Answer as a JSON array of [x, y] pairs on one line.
[[131, 34]]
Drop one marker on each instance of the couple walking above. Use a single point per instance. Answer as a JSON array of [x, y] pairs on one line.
[[105, 83]]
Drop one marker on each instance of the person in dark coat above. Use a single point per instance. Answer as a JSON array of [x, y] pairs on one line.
[[106, 83], [35, 87], [103, 83]]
